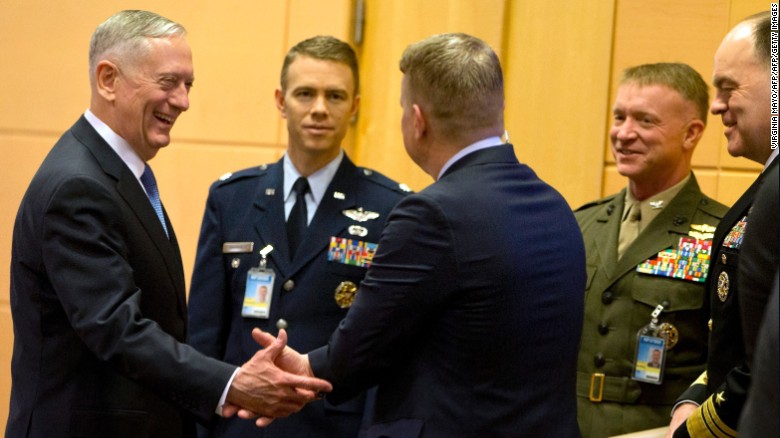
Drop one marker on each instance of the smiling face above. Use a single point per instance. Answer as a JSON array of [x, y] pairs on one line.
[[654, 131], [743, 95], [318, 104], [151, 92]]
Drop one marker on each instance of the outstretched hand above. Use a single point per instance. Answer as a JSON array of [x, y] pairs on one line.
[[262, 388]]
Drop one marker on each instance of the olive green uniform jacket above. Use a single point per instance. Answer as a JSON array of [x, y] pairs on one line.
[[618, 303]]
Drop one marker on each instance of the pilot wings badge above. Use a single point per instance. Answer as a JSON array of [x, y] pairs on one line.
[[360, 215]]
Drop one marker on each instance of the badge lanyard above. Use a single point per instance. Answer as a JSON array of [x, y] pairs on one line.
[[259, 288], [650, 353]]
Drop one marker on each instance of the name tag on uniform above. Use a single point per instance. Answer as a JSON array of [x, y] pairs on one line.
[[237, 247]]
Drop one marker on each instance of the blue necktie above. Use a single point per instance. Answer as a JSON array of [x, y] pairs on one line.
[[150, 185], [298, 220]]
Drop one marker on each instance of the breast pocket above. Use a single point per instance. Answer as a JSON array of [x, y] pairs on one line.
[[684, 314]]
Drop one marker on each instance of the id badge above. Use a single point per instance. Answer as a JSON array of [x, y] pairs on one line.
[[259, 290], [649, 359]]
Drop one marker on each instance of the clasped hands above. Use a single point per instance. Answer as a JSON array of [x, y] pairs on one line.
[[276, 382]]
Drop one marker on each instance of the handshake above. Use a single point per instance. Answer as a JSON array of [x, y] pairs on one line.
[[276, 382]]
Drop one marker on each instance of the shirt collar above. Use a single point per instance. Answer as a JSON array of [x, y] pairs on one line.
[[481, 144], [118, 144], [652, 206], [318, 181], [769, 160]]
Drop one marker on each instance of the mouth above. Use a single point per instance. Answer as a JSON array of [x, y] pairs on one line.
[[318, 129], [165, 119]]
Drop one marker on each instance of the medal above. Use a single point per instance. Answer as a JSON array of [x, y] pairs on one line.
[[345, 294], [670, 334], [723, 286]]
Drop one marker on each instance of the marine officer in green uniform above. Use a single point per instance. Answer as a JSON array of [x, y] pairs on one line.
[[647, 250]]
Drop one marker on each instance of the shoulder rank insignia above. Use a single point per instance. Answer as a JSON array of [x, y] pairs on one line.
[[404, 187], [226, 176], [360, 215]]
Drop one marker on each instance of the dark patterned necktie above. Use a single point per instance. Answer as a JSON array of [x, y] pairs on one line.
[[150, 185]]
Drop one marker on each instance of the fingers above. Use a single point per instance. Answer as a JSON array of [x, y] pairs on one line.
[[263, 421], [277, 346], [313, 384], [264, 339]]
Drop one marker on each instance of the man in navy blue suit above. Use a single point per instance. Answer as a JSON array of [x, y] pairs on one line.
[[321, 246], [470, 316]]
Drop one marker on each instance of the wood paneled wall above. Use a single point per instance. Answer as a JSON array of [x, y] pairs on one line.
[[561, 60]]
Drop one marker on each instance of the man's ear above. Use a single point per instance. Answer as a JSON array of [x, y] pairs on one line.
[[106, 79], [420, 124], [693, 133], [279, 99]]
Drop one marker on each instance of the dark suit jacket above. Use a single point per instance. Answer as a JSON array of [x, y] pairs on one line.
[[759, 258], [759, 418], [470, 317], [98, 304], [248, 206], [728, 375]]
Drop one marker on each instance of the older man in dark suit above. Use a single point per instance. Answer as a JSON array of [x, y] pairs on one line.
[[97, 285], [470, 315]]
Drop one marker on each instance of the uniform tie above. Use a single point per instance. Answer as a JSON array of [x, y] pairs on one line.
[[629, 228], [150, 185], [298, 220]]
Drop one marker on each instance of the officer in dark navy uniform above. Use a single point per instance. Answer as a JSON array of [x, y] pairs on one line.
[[305, 227], [712, 405]]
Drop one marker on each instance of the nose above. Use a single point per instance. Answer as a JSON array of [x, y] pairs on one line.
[[718, 105], [624, 131], [180, 97], [319, 106]]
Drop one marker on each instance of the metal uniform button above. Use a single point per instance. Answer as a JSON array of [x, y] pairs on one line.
[[281, 324], [723, 258], [599, 360], [603, 329], [607, 297], [288, 285]]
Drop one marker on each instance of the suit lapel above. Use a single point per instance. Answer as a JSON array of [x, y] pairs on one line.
[[269, 220], [610, 221], [664, 232], [130, 190]]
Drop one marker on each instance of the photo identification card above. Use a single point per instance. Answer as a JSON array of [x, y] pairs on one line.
[[258, 293]]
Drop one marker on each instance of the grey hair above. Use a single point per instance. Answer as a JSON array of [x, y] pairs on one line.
[[125, 35]]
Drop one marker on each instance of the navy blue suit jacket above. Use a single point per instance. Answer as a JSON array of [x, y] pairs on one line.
[[248, 206], [469, 318], [98, 304]]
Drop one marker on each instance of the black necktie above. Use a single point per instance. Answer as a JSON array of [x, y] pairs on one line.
[[297, 222]]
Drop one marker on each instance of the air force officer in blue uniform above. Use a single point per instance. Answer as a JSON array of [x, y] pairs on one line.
[[313, 269]]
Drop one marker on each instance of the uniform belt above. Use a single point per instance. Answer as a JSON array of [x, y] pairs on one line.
[[598, 388]]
